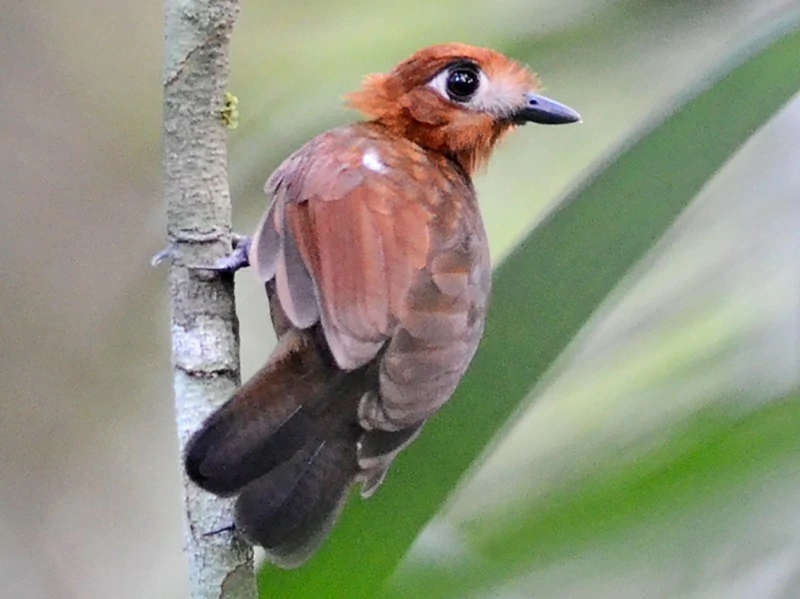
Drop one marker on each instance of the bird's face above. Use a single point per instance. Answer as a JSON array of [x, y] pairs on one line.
[[459, 100]]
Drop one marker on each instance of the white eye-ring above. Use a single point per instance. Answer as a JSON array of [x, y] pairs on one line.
[[466, 84], [460, 82]]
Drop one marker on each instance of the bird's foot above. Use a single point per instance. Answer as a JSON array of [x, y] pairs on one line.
[[237, 259]]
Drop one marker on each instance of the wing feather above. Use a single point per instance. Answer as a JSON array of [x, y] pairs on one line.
[[266, 246], [344, 251], [387, 254], [296, 288]]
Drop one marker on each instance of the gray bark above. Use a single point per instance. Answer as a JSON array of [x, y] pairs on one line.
[[205, 336]]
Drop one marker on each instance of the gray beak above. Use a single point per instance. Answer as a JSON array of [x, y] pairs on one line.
[[544, 111]]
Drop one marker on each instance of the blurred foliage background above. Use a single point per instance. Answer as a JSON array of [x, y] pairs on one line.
[[657, 458]]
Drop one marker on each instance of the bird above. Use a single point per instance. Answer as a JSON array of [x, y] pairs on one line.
[[376, 265]]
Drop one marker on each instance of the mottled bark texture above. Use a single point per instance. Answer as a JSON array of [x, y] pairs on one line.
[[205, 338]]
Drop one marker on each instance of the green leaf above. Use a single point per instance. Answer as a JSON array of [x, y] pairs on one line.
[[544, 292], [696, 484]]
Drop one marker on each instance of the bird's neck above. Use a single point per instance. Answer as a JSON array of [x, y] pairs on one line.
[[469, 147]]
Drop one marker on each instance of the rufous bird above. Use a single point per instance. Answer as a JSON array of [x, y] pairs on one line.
[[376, 266]]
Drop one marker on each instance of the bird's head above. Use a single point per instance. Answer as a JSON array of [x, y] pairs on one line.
[[458, 100]]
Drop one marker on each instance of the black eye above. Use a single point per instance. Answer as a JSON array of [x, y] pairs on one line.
[[462, 83]]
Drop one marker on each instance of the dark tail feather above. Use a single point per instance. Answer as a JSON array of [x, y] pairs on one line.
[[290, 510], [264, 423], [286, 443]]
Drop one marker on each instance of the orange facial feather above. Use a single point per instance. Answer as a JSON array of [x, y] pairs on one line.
[[376, 265], [406, 105]]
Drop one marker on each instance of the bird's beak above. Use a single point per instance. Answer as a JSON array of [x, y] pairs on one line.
[[544, 111]]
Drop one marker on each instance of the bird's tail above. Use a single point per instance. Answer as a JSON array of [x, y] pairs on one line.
[[285, 443]]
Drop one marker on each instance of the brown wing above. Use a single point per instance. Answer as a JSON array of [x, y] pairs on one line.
[[384, 246], [363, 260]]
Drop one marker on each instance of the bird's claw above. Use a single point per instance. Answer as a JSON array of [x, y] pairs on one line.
[[158, 258], [237, 259], [229, 528]]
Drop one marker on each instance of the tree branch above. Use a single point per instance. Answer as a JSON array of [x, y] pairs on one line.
[[205, 336]]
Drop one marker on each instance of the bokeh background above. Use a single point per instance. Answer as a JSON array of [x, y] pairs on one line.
[[658, 458]]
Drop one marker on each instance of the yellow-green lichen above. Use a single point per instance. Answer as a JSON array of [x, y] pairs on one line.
[[230, 111]]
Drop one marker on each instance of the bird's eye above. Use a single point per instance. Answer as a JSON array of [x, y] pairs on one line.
[[462, 83]]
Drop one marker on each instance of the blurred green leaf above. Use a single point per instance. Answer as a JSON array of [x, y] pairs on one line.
[[544, 293], [707, 467]]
